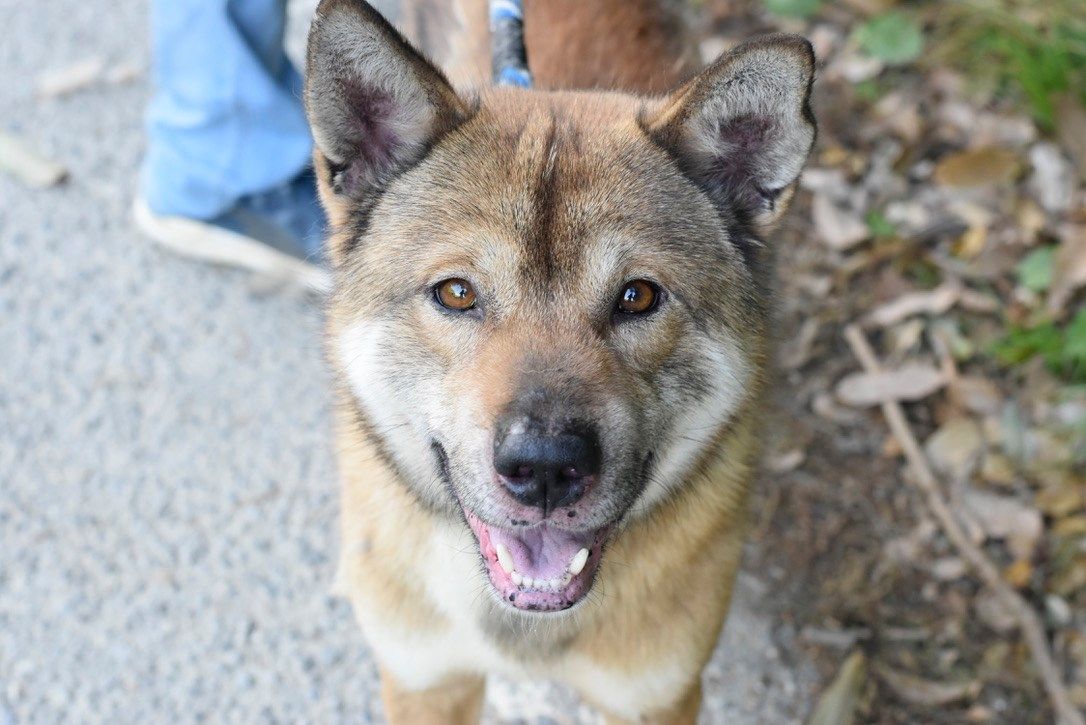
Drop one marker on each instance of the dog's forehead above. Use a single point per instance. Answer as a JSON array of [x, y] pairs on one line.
[[554, 180]]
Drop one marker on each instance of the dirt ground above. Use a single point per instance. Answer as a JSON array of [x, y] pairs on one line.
[[947, 222]]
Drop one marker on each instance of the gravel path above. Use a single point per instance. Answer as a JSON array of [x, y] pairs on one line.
[[167, 491]]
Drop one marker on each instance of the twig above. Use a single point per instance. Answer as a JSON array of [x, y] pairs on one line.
[[924, 478]]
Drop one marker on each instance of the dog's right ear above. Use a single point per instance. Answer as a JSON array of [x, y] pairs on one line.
[[375, 104]]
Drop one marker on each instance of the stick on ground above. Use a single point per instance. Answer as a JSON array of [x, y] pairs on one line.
[[924, 479]]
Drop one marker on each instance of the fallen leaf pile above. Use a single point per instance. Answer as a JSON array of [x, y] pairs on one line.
[[951, 226]]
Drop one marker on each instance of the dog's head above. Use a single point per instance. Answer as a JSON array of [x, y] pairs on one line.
[[548, 305]]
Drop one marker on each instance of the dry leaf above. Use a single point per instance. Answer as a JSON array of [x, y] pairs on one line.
[[124, 73], [838, 228], [825, 406], [1003, 517], [976, 394], [978, 167], [837, 705], [971, 243], [1071, 128], [979, 302], [836, 638], [1062, 499], [1069, 269], [786, 461], [1031, 219], [27, 166], [928, 693], [993, 612], [73, 78], [955, 448], [854, 67], [900, 113], [1058, 610], [1018, 574], [934, 302], [913, 381], [905, 337], [907, 549], [998, 470], [1053, 178], [797, 351], [948, 568], [1071, 527]]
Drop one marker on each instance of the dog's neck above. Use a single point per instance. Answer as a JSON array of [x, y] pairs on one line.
[[638, 46]]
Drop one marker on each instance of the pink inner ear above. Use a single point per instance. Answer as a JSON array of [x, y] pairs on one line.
[[746, 133], [735, 172], [370, 130]]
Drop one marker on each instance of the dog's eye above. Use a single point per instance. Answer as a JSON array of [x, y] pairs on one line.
[[638, 297], [455, 294]]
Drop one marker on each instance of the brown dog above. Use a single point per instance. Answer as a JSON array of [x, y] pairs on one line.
[[549, 329]]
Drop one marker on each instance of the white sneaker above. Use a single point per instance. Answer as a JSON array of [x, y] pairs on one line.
[[251, 244]]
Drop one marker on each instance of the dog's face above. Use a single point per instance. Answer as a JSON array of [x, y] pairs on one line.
[[546, 306]]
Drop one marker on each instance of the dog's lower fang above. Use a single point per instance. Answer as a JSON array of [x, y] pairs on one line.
[[504, 558], [578, 562]]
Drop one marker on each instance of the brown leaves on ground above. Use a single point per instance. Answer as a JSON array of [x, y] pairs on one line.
[[914, 381], [982, 166], [940, 217]]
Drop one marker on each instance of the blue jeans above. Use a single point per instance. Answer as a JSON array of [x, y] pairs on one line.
[[226, 119]]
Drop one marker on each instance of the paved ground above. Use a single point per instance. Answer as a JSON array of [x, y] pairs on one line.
[[167, 493]]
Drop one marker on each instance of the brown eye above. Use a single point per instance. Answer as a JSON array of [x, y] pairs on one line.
[[638, 297], [455, 294]]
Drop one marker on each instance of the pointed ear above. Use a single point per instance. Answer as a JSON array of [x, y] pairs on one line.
[[743, 128], [375, 104]]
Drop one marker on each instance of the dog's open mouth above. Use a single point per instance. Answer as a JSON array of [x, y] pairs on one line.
[[543, 568]]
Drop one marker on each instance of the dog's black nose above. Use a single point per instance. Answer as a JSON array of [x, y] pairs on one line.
[[546, 470]]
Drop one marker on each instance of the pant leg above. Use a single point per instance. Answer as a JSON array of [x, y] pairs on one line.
[[226, 118]]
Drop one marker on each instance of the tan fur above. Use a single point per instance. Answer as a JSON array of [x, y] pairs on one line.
[[460, 700], [664, 586]]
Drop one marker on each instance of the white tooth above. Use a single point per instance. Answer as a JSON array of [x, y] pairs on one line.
[[517, 578], [529, 582], [578, 562], [505, 558]]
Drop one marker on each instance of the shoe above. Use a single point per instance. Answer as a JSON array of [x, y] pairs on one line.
[[276, 234]]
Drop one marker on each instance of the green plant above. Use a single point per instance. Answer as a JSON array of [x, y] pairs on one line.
[[879, 225], [1062, 349], [894, 38], [869, 90], [793, 8], [1035, 269], [1035, 49]]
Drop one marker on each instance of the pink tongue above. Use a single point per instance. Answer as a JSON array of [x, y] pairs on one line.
[[542, 552]]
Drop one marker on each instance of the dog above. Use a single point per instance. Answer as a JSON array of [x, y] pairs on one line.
[[549, 333]]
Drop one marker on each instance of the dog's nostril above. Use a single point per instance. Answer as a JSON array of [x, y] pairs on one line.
[[524, 471]]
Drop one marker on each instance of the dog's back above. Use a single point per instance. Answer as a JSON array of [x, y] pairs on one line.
[[640, 46]]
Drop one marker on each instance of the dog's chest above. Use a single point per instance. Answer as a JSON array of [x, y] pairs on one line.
[[420, 658]]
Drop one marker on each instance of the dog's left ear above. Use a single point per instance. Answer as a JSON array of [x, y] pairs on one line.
[[743, 128]]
